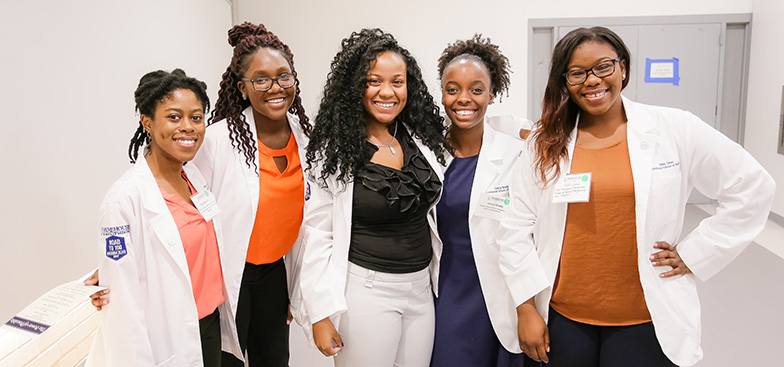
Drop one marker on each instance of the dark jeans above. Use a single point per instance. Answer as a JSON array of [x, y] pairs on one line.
[[574, 344], [261, 316], [209, 329]]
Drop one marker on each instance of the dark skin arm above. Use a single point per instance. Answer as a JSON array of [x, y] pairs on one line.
[[668, 256], [532, 332]]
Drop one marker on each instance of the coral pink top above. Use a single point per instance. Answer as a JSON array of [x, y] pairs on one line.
[[201, 251]]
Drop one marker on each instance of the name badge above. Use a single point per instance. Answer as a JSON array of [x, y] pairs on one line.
[[205, 202], [573, 188], [492, 205]]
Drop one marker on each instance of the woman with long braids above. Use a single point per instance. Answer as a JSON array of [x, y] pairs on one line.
[[370, 242], [475, 320], [597, 214], [161, 241], [251, 158]]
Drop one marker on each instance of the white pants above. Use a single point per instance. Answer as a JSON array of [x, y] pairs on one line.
[[390, 320]]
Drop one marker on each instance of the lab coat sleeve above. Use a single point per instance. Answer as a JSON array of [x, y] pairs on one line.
[[518, 258], [322, 295], [723, 170], [123, 320]]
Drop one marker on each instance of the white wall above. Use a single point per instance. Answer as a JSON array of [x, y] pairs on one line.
[[314, 29], [766, 78], [69, 69]]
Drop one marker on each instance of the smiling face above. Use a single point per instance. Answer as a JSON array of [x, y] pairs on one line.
[[270, 105], [386, 93], [597, 97], [177, 129], [465, 93]]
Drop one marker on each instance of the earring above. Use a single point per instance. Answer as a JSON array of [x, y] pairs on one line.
[[244, 97], [623, 77]]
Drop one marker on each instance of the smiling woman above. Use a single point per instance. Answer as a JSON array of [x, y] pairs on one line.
[[373, 177], [620, 277], [159, 245]]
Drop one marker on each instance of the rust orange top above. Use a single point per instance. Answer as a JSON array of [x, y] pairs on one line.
[[598, 281], [281, 198]]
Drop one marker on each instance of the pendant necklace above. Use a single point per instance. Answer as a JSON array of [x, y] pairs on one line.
[[391, 149]]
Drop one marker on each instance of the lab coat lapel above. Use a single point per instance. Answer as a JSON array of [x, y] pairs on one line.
[[250, 173], [162, 223], [490, 158], [643, 142]]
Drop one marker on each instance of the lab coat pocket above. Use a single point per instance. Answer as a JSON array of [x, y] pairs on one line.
[[683, 295], [664, 199], [169, 362]]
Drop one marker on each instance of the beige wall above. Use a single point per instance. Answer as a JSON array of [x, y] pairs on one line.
[[69, 69]]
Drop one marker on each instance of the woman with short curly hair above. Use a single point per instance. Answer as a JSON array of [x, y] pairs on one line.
[[374, 178], [475, 320]]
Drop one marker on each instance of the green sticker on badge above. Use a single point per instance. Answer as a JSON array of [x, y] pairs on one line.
[[585, 178], [506, 201]]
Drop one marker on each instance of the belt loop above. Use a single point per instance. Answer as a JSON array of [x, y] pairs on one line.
[[369, 280]]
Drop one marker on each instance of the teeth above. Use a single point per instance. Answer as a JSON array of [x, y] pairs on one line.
[[464, 112], [186, 141], [276, 100], [595, 94], [384, 105]]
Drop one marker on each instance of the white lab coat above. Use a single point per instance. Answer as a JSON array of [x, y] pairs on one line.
[[152, 318], [671, 151], [493, 172], [236, 187], [326, 239]]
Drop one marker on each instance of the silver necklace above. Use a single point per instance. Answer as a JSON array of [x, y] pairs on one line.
[[391, 149]]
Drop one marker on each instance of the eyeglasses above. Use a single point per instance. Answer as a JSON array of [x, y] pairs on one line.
[[263, 84], [601, 70]]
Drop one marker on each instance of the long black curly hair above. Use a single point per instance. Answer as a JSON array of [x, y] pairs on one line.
[[154, 87], [486, 52], [247, 38], [340, 132]]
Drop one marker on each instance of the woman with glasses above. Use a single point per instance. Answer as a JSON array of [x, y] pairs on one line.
[[252, 159], [160, 241], [370, 243], [601, 200]]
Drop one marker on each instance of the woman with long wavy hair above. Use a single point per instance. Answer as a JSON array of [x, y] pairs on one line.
[[598, 210], [370, 242]]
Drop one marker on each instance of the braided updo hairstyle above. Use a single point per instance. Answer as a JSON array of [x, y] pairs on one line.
[[483, 50], [339, 134], [247, 38], [153, 88]]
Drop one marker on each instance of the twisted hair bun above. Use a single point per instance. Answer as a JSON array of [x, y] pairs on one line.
[[240, 32]]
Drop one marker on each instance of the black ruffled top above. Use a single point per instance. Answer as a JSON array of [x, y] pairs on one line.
[[389, 231]]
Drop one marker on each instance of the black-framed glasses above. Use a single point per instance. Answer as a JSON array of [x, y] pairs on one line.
[[263, 84], [601, 70]]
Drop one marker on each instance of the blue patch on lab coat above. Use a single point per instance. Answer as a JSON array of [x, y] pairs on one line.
[[307, 191], [115, 247]]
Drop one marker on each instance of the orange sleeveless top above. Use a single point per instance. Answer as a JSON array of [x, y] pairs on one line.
[[281, 198]]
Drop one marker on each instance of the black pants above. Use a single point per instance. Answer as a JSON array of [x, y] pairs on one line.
[[209, 329], [574, 344], [261, 316]]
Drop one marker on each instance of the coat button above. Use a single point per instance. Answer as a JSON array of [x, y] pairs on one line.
[[171, 242], [644, 145]]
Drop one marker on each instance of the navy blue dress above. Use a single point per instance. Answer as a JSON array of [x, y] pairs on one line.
[[464, 335]]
